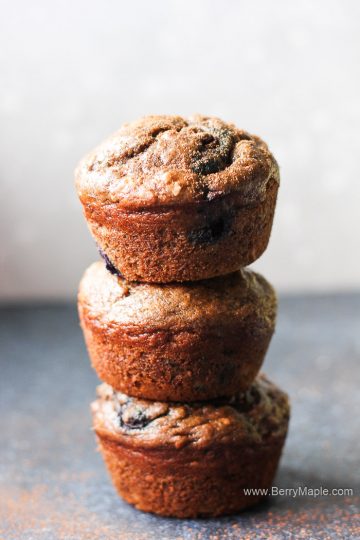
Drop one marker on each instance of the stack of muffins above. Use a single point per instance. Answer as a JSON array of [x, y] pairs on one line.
[[175, 326]]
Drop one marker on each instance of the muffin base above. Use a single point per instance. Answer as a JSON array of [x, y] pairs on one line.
[[188, 483], [186, 242]]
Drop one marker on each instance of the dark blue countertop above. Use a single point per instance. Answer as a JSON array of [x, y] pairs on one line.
[[53, 484]]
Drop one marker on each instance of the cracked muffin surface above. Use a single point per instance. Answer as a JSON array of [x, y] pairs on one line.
[[160, 160], [255, 417]]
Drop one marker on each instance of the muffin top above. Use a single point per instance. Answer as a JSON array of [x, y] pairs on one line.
[[256, 417], [168, 160], [111, 302]]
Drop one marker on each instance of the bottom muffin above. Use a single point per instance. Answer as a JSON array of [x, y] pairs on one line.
[[188, 460]]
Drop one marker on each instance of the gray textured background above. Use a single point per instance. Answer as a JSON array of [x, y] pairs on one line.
[[72, 72]]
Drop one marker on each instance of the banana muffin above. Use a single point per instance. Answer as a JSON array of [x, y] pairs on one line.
[[179, 341], [188, 460], [174, 199]]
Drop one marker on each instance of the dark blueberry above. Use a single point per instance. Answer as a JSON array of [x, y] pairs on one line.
[[212, 233], [109, 265], [133, 415], [248, 400], [215, 151], [136, 421]]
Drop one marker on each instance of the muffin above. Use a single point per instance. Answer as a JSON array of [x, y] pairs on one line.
[[188, 460], [179, 341], [174, 199]]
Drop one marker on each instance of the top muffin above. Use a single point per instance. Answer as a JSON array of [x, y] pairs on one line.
[[174, 199], [160, 160]]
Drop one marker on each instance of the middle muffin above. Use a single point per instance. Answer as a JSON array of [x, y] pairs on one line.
[[177, 342]]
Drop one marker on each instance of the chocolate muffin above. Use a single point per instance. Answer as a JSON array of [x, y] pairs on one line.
[[174, 199], [177, 342], [193, 460]]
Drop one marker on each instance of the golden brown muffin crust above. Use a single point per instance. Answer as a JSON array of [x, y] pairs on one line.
[[169, 160], [257, 416], [114, 302]]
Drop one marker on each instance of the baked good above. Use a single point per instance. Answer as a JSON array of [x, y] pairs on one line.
[[177, 341], [188, 460], [174, 199]]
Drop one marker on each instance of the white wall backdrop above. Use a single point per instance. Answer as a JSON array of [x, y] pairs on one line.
[[72, 72]]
